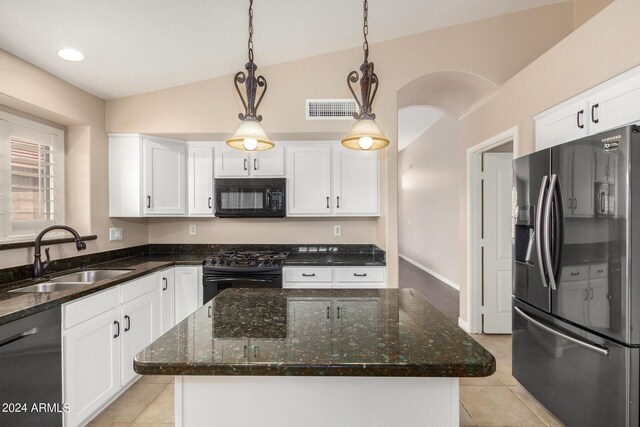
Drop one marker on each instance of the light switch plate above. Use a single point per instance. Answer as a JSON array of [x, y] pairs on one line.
[[115, 233]]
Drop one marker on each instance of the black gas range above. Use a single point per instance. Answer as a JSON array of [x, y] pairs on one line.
[[242, 269]]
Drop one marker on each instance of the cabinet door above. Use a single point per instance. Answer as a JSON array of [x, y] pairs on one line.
[[91, 365], [165, 177], [309, 186], [566, 124], [583, 174], [138, 325], [615, 106], [355, 182], [268, 163], [266, 350], [308, 328], [231, 162], [200, 173], [187, 291], [166, 287]]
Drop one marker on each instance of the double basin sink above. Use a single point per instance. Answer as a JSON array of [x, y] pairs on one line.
[[72, 281]]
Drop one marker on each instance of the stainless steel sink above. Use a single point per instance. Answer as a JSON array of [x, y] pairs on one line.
[[51, 287], [89, 276]]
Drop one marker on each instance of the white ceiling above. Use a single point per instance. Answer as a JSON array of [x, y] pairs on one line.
[[413, 122], [134, 46]]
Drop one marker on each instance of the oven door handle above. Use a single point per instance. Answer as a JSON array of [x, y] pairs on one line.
[[226, 279]]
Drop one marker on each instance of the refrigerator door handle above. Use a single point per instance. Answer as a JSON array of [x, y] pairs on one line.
[[597, 348], [538, 225], [546, 235]]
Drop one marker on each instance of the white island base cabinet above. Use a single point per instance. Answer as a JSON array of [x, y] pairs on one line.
[[281, 401]]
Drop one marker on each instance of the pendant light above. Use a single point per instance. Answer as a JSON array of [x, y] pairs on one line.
[[249, 135], [365, 133]]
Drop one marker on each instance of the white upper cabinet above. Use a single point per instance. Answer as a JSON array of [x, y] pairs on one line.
[[147, 176], [565, 124], [355, 182], [613, 104], [231, 162], [165, 172], [200, 179], [309, 183], [617, 106], [268, 163]]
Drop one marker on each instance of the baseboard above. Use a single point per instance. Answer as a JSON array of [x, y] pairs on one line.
[[431, 272], [463, 324]]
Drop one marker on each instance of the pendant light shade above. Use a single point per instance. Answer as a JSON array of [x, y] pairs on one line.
[[365, 133], [250, 135]]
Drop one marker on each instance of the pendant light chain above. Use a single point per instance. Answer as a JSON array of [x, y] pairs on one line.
[[365, 30], [250, 43]]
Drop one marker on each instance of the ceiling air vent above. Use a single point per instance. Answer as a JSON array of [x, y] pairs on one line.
[[331, 109]]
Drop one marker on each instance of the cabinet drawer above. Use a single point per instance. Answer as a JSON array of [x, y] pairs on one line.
[[575, 272], [597, 271], [138, 287], [359, 274], [304, 274], [307, 285], [86, 308]]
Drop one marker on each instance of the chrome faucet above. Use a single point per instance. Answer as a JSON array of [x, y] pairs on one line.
[[38, 265]]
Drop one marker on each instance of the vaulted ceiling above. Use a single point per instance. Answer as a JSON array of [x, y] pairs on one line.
[[135, 46]]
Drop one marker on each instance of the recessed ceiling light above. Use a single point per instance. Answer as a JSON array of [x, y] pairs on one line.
[[70, 54]]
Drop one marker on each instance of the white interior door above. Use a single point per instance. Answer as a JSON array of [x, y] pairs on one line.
[[496, 214]]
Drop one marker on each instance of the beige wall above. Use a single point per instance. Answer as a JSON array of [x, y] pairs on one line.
[[494, 49], [428, 170], [28, 89], [589, 56]]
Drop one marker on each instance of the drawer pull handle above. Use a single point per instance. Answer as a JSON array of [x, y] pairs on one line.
[[117, 334], [328, 312], [575, 273], [245, 351], [128, 327], [308, 275], [360, 275], [166, 284], [601, 270]]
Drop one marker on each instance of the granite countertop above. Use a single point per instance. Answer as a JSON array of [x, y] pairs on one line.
[[321, 332], [15, 305]]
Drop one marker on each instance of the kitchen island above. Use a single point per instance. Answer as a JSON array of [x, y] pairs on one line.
[[316, 358]]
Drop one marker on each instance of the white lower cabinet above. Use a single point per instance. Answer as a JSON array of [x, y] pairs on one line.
[[91, 365], [102, 333], [334, 277], [139, 328], [166, 290], [188, 291]]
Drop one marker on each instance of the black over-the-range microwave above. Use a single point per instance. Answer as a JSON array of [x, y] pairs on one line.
[[250, 197]]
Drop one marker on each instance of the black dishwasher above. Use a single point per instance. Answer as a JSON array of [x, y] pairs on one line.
[[31, 370]]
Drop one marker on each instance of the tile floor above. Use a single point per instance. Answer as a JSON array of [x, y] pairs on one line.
[[497, 400]]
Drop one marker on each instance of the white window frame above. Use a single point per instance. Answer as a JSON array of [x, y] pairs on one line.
[[6, 230]]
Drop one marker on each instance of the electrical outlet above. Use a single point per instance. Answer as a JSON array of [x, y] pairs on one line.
[[192, 229], [115, 233], [337, 230]]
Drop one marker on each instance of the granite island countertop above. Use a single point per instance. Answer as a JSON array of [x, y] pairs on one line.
[[321, 332]]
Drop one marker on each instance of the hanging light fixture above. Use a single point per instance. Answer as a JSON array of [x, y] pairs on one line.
[[365, 133], [249, 135]]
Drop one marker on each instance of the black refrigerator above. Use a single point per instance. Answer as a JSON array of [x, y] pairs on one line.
[[576, 301]]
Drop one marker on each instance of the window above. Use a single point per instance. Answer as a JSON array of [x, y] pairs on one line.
[[31, 177]]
